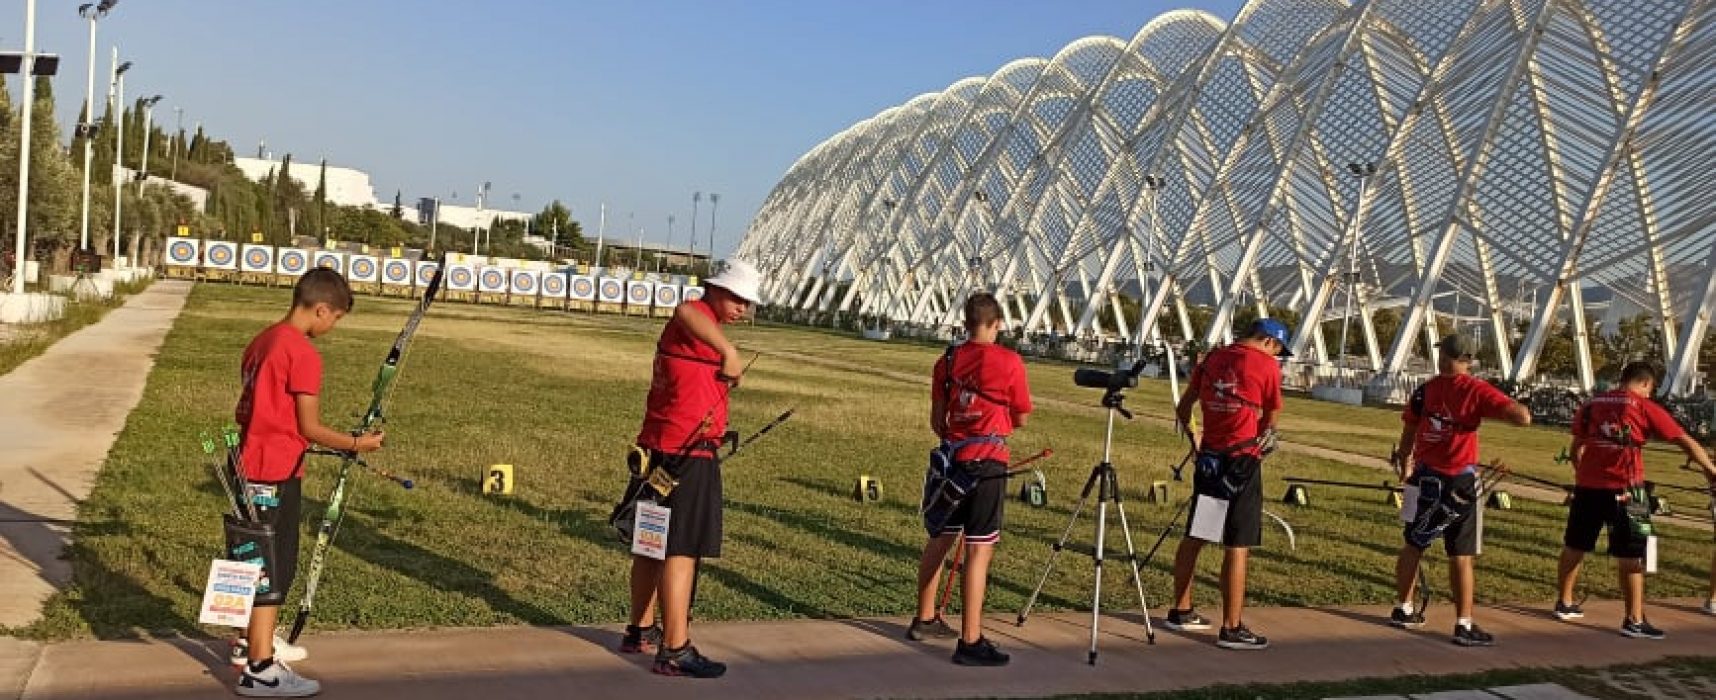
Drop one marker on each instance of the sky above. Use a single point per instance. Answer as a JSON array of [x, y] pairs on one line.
[[633, 104]]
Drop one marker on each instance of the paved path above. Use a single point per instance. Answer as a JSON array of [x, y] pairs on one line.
[[59, 414], [864, 658]]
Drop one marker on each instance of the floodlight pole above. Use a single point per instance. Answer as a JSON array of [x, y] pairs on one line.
[[116, 104], [601, 234], [668, 246], [695, 198], [93, 12], [143, 165], [1363, 171], [28, 66], [714, 201]]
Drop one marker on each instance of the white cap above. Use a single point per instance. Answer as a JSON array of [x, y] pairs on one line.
[[740, 278]]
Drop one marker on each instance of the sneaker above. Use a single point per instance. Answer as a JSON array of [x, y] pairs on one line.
[[1407, 621], [1240, 638], [930, 629], [283, 651], [979, 653], [276, 680], [685, 661], [1709, 607], [1642, 629], [1568, 611], [640, 640], [1186, 621], [1472, 636]]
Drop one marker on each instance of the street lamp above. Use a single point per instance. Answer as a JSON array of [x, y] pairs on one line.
[[1363, 171], [714, 201], [148, 116], [695, 198], [29, 64], [86, 128], [116, 93], [668, 246]]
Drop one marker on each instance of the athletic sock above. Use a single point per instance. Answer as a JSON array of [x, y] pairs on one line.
[[263, 666], [1463, 622]]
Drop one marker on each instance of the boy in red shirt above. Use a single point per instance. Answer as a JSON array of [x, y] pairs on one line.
[[1440, 427], [1239, 387], [684, 418], [1609, 435], [279, 415], [979, 395]]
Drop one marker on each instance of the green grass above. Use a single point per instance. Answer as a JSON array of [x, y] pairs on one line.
[[1683, 676], [32, 340], [559, 396]]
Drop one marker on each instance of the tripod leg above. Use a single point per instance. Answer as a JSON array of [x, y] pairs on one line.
[[1096, 590], [1132, 556], [1055, 551]]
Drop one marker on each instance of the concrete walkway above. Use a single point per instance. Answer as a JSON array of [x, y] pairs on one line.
[[59, 414], [864, 658]]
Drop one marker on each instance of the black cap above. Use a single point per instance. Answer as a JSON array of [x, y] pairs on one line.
[[1458, 345]]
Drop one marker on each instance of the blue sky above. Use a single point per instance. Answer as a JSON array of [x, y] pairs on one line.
[[636, 104]]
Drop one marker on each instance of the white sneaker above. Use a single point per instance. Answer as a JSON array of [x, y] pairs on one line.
[[283, 651], [1710, 607], [276, 681]]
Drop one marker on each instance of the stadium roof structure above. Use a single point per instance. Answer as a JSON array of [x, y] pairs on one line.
[[1443, 158]]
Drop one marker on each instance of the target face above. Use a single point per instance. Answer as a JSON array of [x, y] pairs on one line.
[[460, 277], [256, 258], [666, 296], [640, 294], [554, 285], [693, 293], [293, 262], [220, 255], [363, 268], [523, 283], [426, 273], [493, 280], [583, 288], [330, 261], [184, 252], [396, 272], [611, 290]]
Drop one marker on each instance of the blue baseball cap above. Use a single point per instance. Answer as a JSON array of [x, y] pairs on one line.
[[1276, 330]]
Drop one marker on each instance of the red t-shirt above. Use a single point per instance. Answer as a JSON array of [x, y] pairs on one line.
[[278, 364], [1448, 410], [1235, 385], [1612, 428], [989, 386], [684, 390]]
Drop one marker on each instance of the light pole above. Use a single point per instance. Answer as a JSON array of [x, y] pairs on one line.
[[148, 117], [1363, 171], [86, 128], [714, 201], [28, 66], [695, 198], [668, 245], [178, 140], [115, 104], [477, 230], [601, 234]]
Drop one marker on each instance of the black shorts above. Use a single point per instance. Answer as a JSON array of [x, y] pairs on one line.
[[1239, 480], [1448, 507], [979, 515], [694, 526], [281, 505], [1590, 512]]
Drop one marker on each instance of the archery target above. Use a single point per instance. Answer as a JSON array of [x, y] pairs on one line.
[[425, 272], [363, 268], [220, 255], [640, 293], [291, 261], [582, 288], [258, 258], [182, 252], [491, 280], [554, 285], [461, 278], [667, 295], [611, 290], [525, 282], [331, 260], [396, 271], [691, 294]]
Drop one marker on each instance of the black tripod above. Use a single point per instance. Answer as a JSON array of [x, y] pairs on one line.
[[1107, 487]]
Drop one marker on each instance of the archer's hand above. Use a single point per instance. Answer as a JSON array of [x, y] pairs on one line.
[[368, 442], [732, 368]]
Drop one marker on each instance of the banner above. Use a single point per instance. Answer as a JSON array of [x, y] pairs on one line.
[[258, 258], [220, 255], [291, 261], [396, 272], [363, 268], [460, 278], [182, 252], [666, 296], [611, 291], [425, 272], [554, 285], [691, 294], [491, 280], [581, 288], [329, 259], [524, 282], [639, 293]]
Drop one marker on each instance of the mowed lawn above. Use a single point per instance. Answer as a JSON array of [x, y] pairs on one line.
[[559, 396]]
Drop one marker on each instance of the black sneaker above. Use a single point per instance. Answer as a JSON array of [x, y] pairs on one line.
[[1240, 638], [1642, 629], [930, 629], [1473, 636], [1404, 620], [640, 640], [685, 661], [1185, 621], [980, 653], [1568, 611]]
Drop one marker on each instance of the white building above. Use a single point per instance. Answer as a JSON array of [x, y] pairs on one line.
[[352, 188]]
